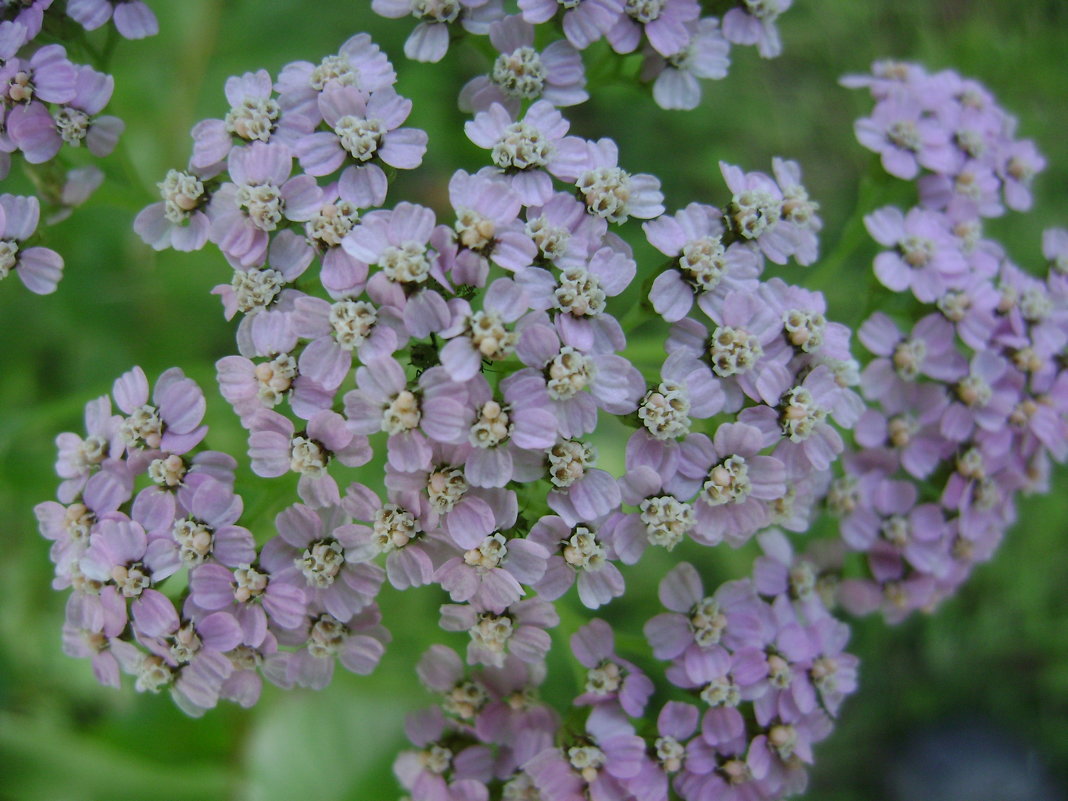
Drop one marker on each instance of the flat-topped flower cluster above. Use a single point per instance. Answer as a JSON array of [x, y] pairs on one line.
[[476, 353], [968, 401]]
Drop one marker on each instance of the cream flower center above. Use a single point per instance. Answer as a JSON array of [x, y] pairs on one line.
[[665, 411], [326, 636], [321, 562], [308, 457], [489, 554], [708, 622], [352, 321], [402, 414], [253, 118], [580, 293], [446, 486], [169, 471], [521, 73], [195, 540], [800, 414], [666, 519], [522, 147], [263, 203], [72, 125], [275, 379], [703, 262], [436, 10], [645, 11], [359, 137], [908, 358], [753, 212], [728, 482], [568, 373], [334, 70], [607, 192], [405, 264], [474, 230], [131, 579], [582, 550], [733, 351], [804, 329], [393, 528], [331, 223], [492, 426], [551, 240], [143, 428], [568, 461], [256, 289]]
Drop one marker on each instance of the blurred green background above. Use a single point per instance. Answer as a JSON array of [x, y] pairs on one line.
[[998, 652]]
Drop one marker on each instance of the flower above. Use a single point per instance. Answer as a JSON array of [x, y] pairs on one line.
[[133, 19], [275, 448], [706, 266], [663, 23], [262, 194], [705, 55], [38, 268], [754, 23], [526, 151], [584, 22], [429, 42], [316, 543], [361, 129], [522, 73], [609, 678]]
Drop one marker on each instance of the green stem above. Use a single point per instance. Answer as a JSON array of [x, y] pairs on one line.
[[109, 48], [854, 234], [634, 316], [131, 176], [851, 298], [570, 622]]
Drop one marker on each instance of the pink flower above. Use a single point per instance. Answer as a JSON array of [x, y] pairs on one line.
[[706, 268], [706, 54], [243, 213], [734, 482], [275, 448], [576, 554], [311, 552], [362, 131], [523, 73], [584, 22], [437, 410], [526, 151], [754, 23], [519, 630], [38, 268], [609, 678]]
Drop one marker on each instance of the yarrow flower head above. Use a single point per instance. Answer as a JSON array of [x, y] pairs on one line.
[[521, 72], [472, 347]]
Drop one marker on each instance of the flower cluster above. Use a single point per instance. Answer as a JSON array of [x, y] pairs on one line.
[[50, 104], [475, 352], [115, 545], [967, 403], [766, 659], [760, 664], [757, 357], [677, 44]]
